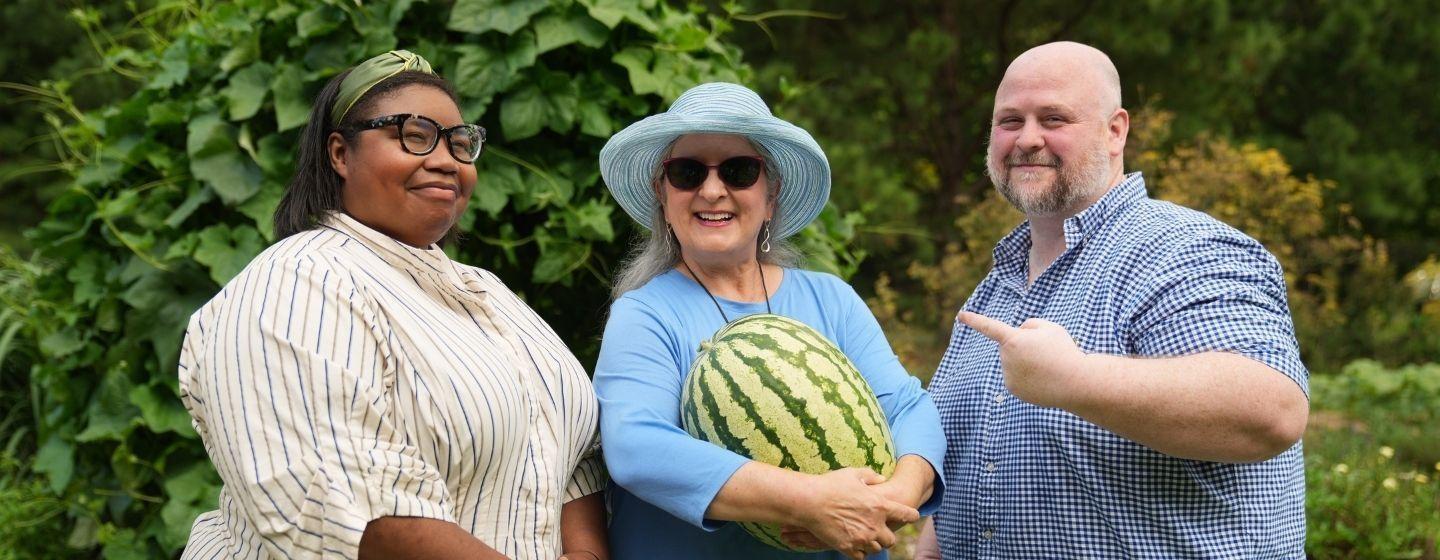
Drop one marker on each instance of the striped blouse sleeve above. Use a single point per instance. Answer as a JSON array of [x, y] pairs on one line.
[[589, 475], [294, 381]]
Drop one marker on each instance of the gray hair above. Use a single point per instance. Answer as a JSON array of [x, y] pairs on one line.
[[658, 251]]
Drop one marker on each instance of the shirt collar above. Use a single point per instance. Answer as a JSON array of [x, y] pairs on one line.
[[1088, 221], [430, 261], [1013, 250]]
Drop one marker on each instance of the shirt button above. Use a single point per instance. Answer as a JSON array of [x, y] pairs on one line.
[[999, 398], [987, 535], [989, 467]]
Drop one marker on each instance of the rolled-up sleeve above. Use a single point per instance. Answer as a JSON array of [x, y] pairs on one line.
[[290, 384], [914, 420], [648, 453], [589, 475], [1219, 293]]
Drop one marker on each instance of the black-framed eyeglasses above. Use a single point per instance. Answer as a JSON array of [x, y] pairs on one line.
[[420, 134], [739, 172]]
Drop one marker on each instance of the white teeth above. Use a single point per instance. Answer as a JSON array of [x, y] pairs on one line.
[[714, 216]]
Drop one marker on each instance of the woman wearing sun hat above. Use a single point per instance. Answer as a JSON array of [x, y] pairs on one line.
[[721, 184]]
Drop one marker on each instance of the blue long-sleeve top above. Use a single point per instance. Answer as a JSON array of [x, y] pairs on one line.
[[663, 479]]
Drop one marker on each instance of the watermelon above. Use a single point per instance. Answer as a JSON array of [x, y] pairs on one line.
[[774, 390]]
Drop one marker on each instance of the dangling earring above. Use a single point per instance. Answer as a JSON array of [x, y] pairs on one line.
[[765, 243]]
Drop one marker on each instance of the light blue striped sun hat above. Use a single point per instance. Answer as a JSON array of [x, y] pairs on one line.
[[629, 160]]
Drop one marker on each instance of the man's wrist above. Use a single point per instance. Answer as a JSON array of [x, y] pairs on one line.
[[1087, 384]]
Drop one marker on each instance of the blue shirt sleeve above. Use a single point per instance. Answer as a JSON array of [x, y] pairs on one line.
[[914, 420], [1219, 293], [639, 382]]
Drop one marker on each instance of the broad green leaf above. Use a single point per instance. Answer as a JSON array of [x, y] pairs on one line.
[[192, 484], [61, 343], [505, 16], [520, 51], [231, 174], [192, 491], [167, 112], [292, 109], [688, 38], [557, 260], [553, 31], [274, 156], [110, 415], [318, 21], [245, 52], [543, 190], [594, 119], [591, 221], [637, 62], [56, 459], [489, 200], [482, 72], [88, 276], [227, 252], [161, 410], [246, 91], [174, 65], [261, 207], [495, 182], [100, 173], [209, 135], [523, 113], [149, 291], [85, 533], [125, 544], [216, 159], [612, 12]]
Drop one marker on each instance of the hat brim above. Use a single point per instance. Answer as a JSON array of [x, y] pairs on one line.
[[629, 159]]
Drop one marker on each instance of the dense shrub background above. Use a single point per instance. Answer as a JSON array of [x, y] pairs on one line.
[[143, 145]]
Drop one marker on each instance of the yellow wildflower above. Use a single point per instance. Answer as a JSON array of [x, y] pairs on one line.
[[1387, 452], [1390, 484], [1422, 479], [1341, 468]]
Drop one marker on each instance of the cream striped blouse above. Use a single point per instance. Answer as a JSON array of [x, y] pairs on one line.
[[344, 376]]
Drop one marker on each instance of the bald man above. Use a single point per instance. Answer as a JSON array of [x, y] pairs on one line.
[[1125, 382]]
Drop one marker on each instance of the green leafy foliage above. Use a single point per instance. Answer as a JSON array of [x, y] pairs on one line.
[[169, 191], [1373, 463]]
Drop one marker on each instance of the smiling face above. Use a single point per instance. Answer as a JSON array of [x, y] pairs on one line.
[[716, 225], [415, 199], [1057, 133]]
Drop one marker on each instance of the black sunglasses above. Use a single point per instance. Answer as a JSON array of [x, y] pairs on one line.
[[739, 172], [420, 134]]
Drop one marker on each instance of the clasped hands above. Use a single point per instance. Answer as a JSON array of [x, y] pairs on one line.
[[854, 511]]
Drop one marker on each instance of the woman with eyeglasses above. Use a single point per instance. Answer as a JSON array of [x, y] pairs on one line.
[[361, 394], [721, 184]]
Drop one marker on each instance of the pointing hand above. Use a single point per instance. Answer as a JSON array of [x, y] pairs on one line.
[[1041, 363]]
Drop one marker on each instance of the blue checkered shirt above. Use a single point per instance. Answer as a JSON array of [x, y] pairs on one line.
[[1139, 277]]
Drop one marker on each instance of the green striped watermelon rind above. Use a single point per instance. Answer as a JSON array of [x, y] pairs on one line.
[[767, 446]]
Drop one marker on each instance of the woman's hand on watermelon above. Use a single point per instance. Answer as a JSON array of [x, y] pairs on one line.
[[847, 514]]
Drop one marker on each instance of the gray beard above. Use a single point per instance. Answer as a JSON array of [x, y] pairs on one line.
[[1073, 184]]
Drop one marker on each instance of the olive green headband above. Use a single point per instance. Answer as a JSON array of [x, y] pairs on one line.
[[371, 72]]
